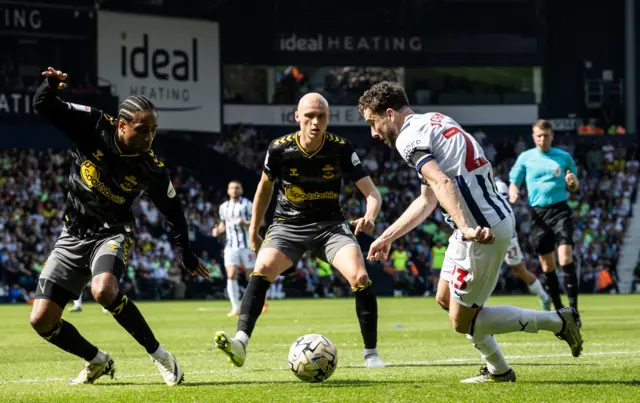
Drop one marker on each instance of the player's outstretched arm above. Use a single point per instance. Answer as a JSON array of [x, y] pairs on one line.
[[447, 195], [261, 201], [374, 203], [417, 212], [75, 121], [164, 197]]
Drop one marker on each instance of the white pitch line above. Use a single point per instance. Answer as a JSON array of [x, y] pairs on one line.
[[516, 357], [396, 364]]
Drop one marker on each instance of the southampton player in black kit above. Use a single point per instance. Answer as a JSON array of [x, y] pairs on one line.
[[309, 167], [112, 164]]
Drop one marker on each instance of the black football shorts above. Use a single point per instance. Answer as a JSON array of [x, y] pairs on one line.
[[322, 239], [551, 226]]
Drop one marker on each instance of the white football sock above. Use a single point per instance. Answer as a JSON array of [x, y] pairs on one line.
[[78, 303], [159, 353], [537, 289], [100, 358], [243, 337], [232, 290], [508, 319], [278, 290], [491, 353], [236, 290], [370, 351]]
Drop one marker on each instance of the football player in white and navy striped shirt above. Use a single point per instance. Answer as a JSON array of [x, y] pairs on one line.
[[457, 175], [235, 217], [515, 259]]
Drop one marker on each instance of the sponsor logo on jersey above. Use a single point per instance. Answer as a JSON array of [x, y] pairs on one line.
[[296, 195], [293, 171], [408, 151], [91, 177]]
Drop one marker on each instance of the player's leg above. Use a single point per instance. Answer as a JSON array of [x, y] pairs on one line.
[[515, 260], [107, 267], [278, 253], [248, 262], [475, 274], [443, 295], [343, 252], [231, 262], [59, 284], [541, 238], [533, 283], [562, 224]]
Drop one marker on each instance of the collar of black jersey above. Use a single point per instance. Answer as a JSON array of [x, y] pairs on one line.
[[115, 143], [296, 137]]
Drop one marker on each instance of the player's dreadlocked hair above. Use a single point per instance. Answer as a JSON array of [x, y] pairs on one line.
[[382, 96], [133, 104]]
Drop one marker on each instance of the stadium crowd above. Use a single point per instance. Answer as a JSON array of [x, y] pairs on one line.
[[32, 199]]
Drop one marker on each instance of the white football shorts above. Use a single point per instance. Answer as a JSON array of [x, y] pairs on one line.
[[244, 257], [514, 253], [472, 269]]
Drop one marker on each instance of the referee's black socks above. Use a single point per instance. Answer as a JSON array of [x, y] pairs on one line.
[[252, 303], [367, 311], [65, 336], [127, 314], [571, 283], [552, 287]]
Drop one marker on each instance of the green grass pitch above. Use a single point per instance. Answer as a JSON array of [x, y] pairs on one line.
[[425, 358]]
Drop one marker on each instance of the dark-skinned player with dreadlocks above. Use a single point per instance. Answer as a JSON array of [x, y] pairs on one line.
[[112, 165]]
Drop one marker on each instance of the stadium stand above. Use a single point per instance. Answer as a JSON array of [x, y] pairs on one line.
[[32, 193]]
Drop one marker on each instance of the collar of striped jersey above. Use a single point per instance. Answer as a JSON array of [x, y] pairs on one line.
[[324, 139], [115, 142]]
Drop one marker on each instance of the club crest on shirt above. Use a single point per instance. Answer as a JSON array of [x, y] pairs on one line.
[[557, 172]]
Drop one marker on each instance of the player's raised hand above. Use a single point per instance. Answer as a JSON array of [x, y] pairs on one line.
[[255, 241], [51, 72], [480, 235], [199, 269], [571, 180], [363, 224], [379, 250]]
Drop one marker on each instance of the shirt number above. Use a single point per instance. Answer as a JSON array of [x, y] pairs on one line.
[[470, 162]]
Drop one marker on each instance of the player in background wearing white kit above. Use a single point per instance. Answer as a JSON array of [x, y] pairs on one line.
[[235, 217], [515, 260], [457, 175]]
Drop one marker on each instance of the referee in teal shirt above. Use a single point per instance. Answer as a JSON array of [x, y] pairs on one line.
[[549, 174]]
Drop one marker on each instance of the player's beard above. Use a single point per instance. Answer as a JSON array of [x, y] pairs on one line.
[[390, 140]]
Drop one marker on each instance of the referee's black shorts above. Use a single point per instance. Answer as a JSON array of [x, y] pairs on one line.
[[551, 226]]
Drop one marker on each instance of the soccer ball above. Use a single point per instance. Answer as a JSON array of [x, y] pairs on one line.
[[313, 358]]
